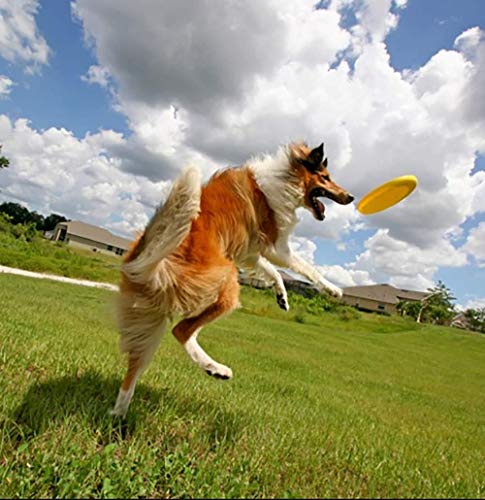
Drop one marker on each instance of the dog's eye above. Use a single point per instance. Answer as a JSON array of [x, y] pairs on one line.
[[325, 177]]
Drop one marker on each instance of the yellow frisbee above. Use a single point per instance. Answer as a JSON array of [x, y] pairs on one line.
[[387, 194]]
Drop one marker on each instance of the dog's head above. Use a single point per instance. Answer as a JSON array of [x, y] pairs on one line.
[[311, 168]]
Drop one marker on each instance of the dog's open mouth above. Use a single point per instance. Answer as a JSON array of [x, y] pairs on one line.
[[318, 208]]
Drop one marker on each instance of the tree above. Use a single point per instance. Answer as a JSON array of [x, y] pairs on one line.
[[437, 306], [409, 308], [4, 162], [476, 319], [18, 213], [21, 215], [51, 221]]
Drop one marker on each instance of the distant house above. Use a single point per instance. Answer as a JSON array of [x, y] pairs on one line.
[[461, 321], [97, 239], [379, 298]]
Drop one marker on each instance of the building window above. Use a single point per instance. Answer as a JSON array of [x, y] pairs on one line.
[[119, 251], [381, 307], [110, 248]]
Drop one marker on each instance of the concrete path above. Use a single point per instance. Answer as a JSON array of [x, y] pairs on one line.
[[30, 274]]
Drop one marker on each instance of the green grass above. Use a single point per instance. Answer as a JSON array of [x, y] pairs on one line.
[[43, 256], [335, 406]]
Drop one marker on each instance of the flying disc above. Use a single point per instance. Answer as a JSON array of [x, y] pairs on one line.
[[388, 194]]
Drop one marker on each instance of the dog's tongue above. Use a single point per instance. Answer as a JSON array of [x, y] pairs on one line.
[[319, 210]]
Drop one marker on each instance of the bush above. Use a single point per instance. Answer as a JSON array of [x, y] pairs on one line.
[[299, 318], [348, 313], [316, 305]]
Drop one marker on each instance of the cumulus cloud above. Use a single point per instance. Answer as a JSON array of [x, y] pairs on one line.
[[97, 75], [304, 247], [345, 276], [5, 86], [20, 40], [468, 41], [475, 244], [406, 265], [179, 59], [472, 44], [474, 304], [53, 171]]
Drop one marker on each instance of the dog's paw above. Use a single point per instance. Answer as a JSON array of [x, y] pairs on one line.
[[332, 290], [118, 412], [282, 302], [219, 371], [335, 292]]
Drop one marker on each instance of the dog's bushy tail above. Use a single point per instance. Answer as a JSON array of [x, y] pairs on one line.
[[167, 228]]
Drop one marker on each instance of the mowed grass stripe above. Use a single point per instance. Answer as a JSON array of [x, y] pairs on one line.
[[366, 407]]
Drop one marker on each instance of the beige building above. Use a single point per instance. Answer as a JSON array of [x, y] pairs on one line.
[[87, 236], [379, 298]]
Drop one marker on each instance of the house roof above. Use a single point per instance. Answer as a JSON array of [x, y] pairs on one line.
[[383, 293], [95, 233]]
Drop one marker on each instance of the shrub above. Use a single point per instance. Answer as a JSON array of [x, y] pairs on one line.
[[348, 313], [299, 317]]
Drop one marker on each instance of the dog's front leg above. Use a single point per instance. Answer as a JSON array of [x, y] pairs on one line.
[[272, 273], [283, 256]]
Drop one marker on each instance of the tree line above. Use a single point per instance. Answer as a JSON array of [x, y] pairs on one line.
[[18, 214]]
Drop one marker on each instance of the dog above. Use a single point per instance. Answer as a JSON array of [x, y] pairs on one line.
[[185, 264]]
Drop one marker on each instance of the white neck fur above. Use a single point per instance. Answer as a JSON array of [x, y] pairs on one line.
[[280, 186]]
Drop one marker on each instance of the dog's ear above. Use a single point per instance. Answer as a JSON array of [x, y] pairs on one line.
[[315, 158]]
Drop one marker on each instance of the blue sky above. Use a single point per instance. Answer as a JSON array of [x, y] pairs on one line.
[[57, 97], [120, 129]]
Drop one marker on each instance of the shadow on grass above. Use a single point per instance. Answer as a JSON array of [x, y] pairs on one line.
[[47, 406]]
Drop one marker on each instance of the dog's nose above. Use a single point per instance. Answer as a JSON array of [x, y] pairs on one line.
[[350, 197]]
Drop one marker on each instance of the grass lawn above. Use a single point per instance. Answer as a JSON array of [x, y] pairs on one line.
[[58, 258], [333, 406]]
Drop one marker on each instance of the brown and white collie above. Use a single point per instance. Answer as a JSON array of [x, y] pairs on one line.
[[186, 262]]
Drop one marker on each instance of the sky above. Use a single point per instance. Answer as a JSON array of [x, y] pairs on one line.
[[103, 102]]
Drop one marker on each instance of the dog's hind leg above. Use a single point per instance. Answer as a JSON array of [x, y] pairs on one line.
[[187, 330], [140, 346]]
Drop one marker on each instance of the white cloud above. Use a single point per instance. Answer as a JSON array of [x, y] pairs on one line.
[[98, 75], [468, 41], [5, 86], [20, 39], [476, 303], [53, 171], [344, 276], [179, 59], [404, 265], [475, 244], [304, 247]]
